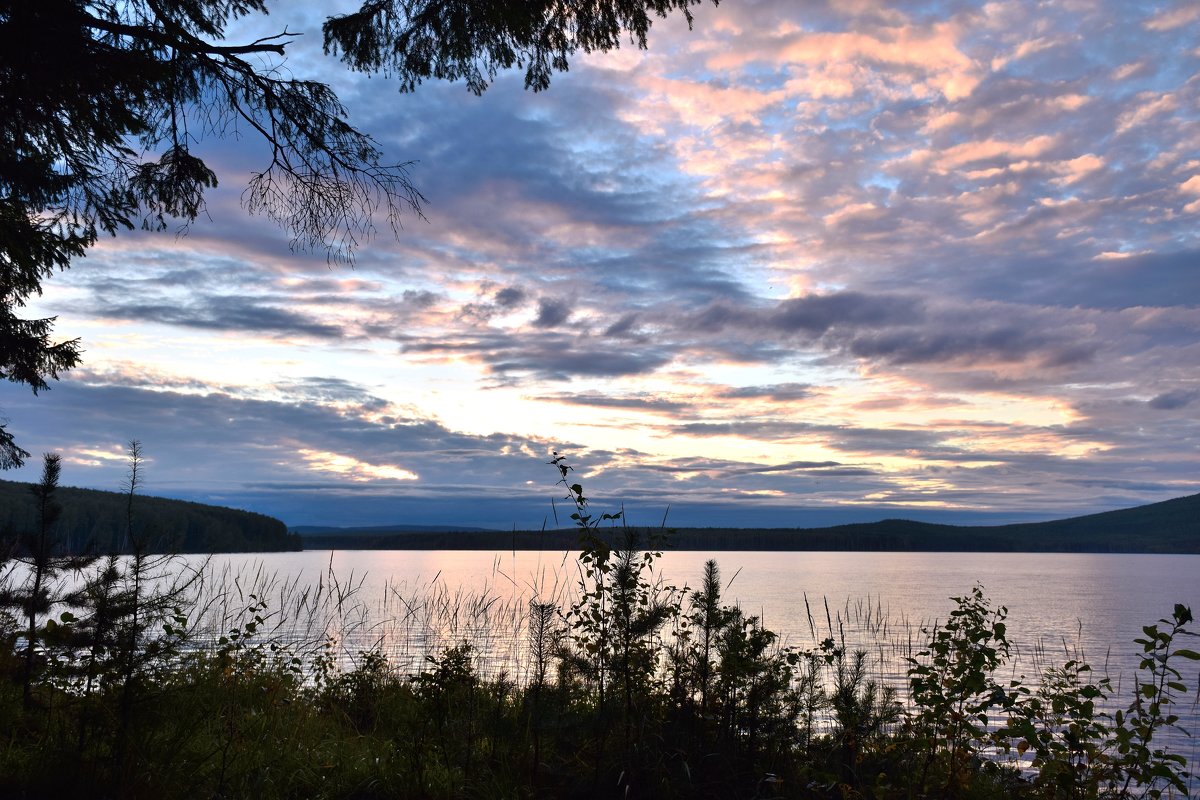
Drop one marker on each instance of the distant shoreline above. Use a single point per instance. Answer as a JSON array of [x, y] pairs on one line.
[[1172, 526]]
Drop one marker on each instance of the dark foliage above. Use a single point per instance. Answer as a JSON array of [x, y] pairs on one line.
[[103, 101], [247, 714], [660, 693], [96, 521], [473, 40], [1172, 526]]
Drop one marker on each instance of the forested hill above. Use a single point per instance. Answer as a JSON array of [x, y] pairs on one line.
[[96, 521], [1172, 526]]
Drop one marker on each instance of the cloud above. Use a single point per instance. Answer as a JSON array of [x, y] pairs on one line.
[[814, 314], [551, 313], [1172, 18], [1177, 398], [959, 240], [770, 429], [510, 297], [1024, 49], [930, 54], [989, 152], [632, 402], [819, 313], [977, 343], [623, 326], [227, 313], [542, 355], [780, 392], [905, 330], [1133, 69], [808, 467], [1149, 106], [204, 444]]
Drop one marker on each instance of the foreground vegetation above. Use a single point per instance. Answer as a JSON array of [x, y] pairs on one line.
[[114, 683]]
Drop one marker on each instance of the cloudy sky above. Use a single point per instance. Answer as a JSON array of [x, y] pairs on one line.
[[809, 262]]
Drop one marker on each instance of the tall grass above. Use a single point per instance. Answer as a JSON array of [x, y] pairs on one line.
[[610, 683], [434, 690]]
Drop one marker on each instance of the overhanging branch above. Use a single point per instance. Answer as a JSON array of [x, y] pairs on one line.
[[186, 42]]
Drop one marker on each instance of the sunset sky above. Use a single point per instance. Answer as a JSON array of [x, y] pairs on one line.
[[809, 262]]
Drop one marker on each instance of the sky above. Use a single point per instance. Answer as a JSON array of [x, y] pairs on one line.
[[809, 262]]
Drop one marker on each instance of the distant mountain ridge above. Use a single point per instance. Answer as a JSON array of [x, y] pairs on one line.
[[94, 521], [334, 530], [1170, 526]]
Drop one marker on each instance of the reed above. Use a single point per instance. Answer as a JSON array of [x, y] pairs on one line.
[[609, 682]]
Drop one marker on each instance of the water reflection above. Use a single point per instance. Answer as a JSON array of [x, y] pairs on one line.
[[411, 604]]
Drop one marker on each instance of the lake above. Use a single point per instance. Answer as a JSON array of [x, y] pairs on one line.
[[413, 603], [1059, 605]]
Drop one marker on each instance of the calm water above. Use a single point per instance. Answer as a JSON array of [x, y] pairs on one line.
[[411, 604], [1060, 606]]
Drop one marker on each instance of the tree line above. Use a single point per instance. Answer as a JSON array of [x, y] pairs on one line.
[[93, 521], [1172, 526]]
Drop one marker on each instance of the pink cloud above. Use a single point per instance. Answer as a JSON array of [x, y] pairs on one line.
[[1076, 169], [1173, 18], [993, 150], [931, 53], [1150, 106], [1130, 70], [704, 105], [1026, 48]]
